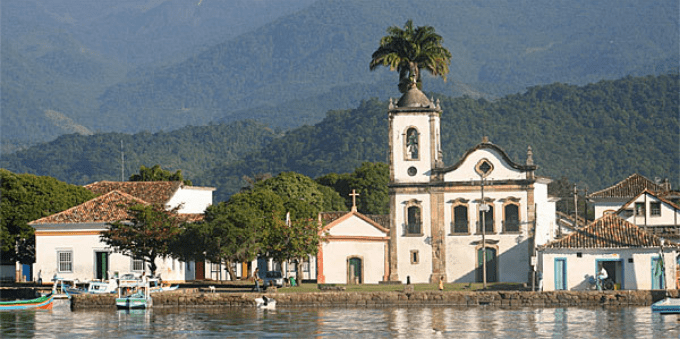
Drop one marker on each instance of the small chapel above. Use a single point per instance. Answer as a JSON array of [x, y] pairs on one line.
[[480, 219]]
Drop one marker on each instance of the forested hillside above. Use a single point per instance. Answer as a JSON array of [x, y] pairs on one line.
[[79, 159], [594, 135]]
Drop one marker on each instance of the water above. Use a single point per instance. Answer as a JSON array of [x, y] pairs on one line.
[[389, 322]]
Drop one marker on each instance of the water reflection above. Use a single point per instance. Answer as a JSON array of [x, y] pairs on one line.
[[392, 322]]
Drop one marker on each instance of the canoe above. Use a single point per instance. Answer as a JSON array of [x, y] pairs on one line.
[[42, 303]]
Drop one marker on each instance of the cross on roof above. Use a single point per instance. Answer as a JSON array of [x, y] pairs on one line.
[[354, 196]]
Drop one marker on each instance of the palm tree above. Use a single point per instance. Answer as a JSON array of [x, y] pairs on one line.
[[408, 50]]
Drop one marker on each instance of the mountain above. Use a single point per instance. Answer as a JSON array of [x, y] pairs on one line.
[[594, 135], [291, 69], [497, 49]]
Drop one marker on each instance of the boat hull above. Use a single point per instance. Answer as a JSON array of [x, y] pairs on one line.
[[667, 306], [42, 303], [132, 303]]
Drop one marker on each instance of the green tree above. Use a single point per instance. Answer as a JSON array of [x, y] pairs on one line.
[[156, 173], [293, 241], [147, 235], [302, 196], [27, 197], [370, 181], [410, 49]]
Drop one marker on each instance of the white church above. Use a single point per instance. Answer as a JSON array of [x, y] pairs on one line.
[[445, 221]]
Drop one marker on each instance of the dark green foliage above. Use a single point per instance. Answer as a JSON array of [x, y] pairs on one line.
[[156, 173], [369, 181], [82, 159], [27, 197]]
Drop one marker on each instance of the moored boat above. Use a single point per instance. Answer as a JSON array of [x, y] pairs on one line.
[[41, 303], [667, 306], [133, 295]]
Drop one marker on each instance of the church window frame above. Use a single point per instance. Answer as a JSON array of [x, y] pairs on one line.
[[513, 226], [413, 219], [411, 144], [460, 217], [414, 256], [490, 227]]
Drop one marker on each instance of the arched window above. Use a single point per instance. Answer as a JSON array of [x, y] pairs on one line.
[[413, 220], [412, 144], [460, 219], [511, 218]]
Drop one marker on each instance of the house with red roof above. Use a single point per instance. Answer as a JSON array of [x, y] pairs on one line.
[[612, 198], [68, 243], [633, 259]]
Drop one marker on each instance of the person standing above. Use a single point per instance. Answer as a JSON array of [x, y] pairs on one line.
[[441, 283]]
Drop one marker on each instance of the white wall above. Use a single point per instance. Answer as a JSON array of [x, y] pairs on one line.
[[636, 275], [336, 255], [193, 199], [83, 243], [418, 272]]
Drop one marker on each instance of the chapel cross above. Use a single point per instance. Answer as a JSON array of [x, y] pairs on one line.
[[354, 196]]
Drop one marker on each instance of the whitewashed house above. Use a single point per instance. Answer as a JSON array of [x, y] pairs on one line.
[[611, 199], [437, 211], [654, 214], [355, 249], [68, 243], [633, 258]]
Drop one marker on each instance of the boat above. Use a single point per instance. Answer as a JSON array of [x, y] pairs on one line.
[[42, 303], [102, 287], [667, 306], [63, 288], [133, 295], [265, 303]]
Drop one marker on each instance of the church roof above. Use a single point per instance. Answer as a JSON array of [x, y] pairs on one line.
[[110, 207], [414, 98], [609, 231], [382, 220], [155, 192], [488, 145], [628, 188]]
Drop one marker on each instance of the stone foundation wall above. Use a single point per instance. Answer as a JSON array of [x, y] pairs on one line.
[[384, 299]]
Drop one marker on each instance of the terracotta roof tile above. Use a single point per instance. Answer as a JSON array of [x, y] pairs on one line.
[[110, 207], [628, 188], [609, 231], [155, 192]]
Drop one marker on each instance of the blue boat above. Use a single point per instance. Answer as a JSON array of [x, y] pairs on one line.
[[134, 295], [667, 306]]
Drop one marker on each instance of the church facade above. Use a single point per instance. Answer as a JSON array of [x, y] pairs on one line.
[[480, 219]]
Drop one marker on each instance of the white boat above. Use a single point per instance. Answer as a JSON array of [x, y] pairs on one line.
[[265, 303], [133, 294], [102, 287], [667, 306]]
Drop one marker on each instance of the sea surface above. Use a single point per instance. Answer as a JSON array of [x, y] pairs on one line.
[[334, 322]]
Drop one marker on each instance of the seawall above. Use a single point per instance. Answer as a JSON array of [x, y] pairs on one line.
[[193, 298]]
